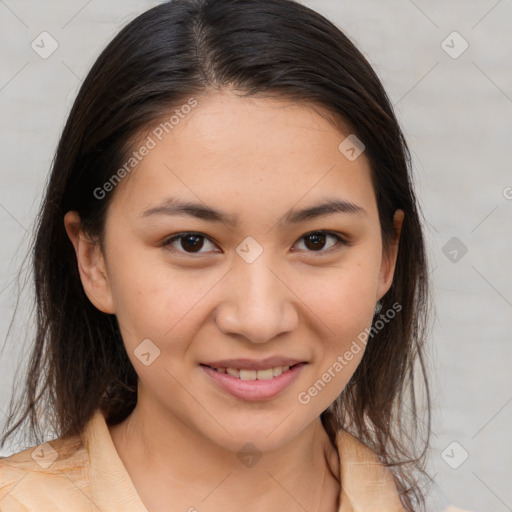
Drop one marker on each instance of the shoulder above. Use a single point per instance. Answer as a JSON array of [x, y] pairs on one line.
[[29, 478], [366, 483], [354, 451]]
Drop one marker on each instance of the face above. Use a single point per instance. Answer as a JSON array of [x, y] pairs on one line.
[[251, 278]]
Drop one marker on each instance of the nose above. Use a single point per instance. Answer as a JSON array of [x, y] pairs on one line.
[[258, 303]]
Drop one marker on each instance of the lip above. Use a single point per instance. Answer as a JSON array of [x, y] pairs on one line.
[[253, 364], [253, 390]]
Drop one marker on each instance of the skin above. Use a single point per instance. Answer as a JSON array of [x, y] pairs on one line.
[[255, 158]]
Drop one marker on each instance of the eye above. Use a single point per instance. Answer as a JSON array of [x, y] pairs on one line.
[[316, 240], [190, 242]]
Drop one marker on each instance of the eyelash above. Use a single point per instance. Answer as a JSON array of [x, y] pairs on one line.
[[339, 239]]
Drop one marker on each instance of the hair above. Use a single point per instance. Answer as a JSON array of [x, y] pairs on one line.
[[164, 56]]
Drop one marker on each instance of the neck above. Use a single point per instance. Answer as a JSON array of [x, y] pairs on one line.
[[169, 463]]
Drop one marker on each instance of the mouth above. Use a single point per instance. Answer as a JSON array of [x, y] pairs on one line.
[[253, 384], [252, 374]]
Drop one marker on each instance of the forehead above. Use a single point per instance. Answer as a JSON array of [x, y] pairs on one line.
[[236, 151]]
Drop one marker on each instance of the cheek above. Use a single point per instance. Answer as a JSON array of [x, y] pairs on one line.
[[145, 304], [348, 313], [344, 305], [346, 308], [344, 298], [156, 302]]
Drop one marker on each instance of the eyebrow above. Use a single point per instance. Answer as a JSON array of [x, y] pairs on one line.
[[174, 206]]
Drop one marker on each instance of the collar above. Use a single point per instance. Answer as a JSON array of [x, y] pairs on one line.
[[366, 484]]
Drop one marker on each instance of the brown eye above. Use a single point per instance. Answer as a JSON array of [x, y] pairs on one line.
[[192, 243], [187, 242], [316, 241]]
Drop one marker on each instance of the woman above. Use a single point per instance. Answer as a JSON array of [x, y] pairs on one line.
[[230, 277]]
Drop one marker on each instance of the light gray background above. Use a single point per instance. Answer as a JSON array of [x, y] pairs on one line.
[[457, 116]]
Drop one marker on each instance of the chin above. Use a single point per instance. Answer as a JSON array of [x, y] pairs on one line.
[[265, 434]]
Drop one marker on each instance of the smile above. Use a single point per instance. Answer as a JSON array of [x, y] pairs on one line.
[[244, 374], [251, 384]]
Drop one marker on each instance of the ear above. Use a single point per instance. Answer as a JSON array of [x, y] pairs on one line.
[[91, 264], [388, 263]]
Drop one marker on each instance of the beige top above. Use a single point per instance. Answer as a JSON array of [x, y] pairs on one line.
[[50, 478]]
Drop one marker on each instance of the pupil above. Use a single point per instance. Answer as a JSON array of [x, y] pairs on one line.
[[317, 239], [193, 241]]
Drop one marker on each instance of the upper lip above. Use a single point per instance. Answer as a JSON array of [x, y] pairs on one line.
[[254, 364]]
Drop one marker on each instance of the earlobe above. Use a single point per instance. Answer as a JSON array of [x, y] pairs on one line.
[[91, 264], [389, 257]]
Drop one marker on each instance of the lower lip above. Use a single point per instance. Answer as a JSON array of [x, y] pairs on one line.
[[254, 389]]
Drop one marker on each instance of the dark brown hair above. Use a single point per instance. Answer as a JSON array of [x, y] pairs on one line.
[[173, 51]]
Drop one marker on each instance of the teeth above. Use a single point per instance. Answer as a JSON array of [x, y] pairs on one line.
[[248, 374], [233, 372], [242, 374], [265, 374]]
